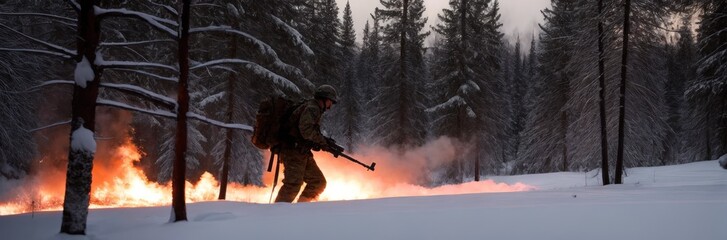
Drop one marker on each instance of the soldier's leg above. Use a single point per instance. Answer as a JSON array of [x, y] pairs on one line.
[[314, 180], [293, 176]]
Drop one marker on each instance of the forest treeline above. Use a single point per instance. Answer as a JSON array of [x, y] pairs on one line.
[[616, 83]]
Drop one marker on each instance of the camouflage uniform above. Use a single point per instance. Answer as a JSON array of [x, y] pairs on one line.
[[296, 156]]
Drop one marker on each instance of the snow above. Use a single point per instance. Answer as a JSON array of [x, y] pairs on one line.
[[672, 202], [83, 73], [151, 19], [294, 34], [254, 68], [82, 140]]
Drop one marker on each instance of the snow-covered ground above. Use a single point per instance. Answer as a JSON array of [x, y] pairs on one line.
[[684, 202]]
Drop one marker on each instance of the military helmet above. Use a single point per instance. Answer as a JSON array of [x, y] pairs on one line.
[[327, 91]]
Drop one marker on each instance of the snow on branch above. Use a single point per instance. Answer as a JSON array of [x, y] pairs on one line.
[[61, 50], [129, 65], [169, 9], [452, 102], [36, 51], [169, 102], [151, 19], [46, 83], [218, 123], [444, 79], [256, 69], [262, 47], [469, 86], [123, 44], [160, 113], [49, 126], [74, 5], [297, 37], [171, 79], [51, 16], [212, 99]]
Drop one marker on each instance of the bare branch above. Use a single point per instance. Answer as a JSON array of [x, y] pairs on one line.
[[171, 79], [254, 68], [151, 19], [132, 65], [56, 48], [169, 9], [124, 44], [218, 123], [51, 16], [144, 93], [49, 126], [74, 5], [263, 47], [160, 113], [37, 87], [36, 51]]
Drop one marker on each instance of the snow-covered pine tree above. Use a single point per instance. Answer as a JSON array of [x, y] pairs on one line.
[[323, 35], [237, 97], [518, 89], [370, 67], [21, 72], [644, 86], [465, 66], [707, 95], [543, 147], [681, 68], [348, 110], [399, 110], [585, 138]]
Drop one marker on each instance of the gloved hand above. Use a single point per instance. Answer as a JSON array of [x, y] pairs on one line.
[[332, 147]]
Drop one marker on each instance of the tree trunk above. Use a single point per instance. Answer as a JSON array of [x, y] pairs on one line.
[[564, 123], [723, 127], [602, 98], [402, 137], [707, 126], [180, 146], [622, 96], [477, 163], [228, 132], [80, 161]]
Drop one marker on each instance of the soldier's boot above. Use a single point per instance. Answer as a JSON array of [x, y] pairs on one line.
[[302, 199]]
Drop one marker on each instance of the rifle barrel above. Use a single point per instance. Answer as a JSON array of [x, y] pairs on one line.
[[359, 162]]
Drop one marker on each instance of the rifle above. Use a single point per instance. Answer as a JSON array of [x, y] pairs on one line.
[[337, 150]]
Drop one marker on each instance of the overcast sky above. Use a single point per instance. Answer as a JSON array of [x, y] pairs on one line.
[[518, 16]]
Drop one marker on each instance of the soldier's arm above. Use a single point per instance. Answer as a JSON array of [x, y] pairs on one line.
[[309, 128]]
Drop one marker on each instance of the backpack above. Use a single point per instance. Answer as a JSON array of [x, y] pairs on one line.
[[271, 123]]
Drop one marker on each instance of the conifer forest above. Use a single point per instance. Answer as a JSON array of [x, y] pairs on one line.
[[600, 84]]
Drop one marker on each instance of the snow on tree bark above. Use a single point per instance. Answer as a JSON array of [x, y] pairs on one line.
[[80, 157]]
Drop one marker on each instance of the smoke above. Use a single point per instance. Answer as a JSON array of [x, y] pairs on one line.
[[118, 183], [399, 173], [414, 165]]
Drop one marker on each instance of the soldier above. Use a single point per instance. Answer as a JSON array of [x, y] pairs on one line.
[[295, 152]]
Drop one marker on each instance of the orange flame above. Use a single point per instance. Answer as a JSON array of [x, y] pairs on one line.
[[121, 184]]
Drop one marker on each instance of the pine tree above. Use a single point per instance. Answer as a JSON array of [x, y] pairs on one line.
[[544, 147], [323, 36], [707, 95], [464, 66], [400, 119], [680, 67], [349, 88]]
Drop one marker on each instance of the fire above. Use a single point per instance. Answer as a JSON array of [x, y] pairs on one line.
[[121, 184]]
